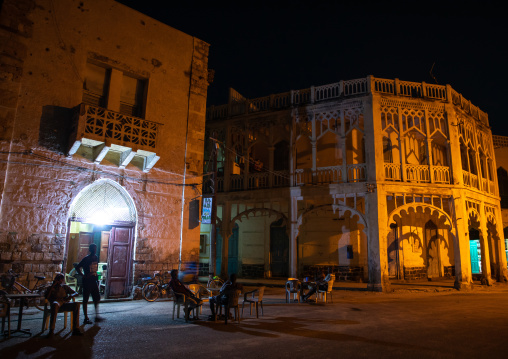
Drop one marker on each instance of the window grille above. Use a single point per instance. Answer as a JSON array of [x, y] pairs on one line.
[[105, 198]]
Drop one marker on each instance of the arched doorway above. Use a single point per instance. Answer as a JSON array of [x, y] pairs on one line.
[[104, 213]]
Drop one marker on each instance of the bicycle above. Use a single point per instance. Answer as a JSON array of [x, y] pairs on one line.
[[214, 282], [12, 286], [154, 287]]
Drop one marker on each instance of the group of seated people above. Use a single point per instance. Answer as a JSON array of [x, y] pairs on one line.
[[229, 288]]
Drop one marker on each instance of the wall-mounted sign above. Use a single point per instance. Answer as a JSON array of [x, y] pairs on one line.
[[206, 216]]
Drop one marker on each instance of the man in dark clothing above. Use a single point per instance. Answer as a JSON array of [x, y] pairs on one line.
[[321, 283], [228, 289], [178, 288], [59, 295], [90, 264]]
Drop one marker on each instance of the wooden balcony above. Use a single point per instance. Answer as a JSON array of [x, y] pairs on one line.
[[99, 133]]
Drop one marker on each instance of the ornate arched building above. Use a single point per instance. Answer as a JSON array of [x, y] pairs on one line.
[[371, 178]]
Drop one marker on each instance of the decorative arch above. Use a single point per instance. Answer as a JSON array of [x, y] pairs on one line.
[[407, 206], [106, 200], [334, 208]]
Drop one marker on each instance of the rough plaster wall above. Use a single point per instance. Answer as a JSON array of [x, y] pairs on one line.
[[49, 44]]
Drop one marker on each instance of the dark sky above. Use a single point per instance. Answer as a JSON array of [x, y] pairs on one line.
[[259, 48]]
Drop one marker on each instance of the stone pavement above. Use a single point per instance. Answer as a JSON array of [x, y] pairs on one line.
[[439, 322]]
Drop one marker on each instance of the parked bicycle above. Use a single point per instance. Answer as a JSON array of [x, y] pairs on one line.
[[214, 282], [12, 286], [154, 287]]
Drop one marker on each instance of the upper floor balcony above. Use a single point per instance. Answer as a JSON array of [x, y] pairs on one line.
[[99, 133], [239, 105]]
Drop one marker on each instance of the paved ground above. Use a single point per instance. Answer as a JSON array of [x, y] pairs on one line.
[[418, 320]]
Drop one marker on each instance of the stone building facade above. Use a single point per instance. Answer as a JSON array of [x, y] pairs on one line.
[[372, 179], [102, 113]]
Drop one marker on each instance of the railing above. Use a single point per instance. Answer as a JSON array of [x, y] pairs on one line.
[[355, 87], [303, 176], [280, 179], [236, 183], [485, 187], [326, 92], [435, 91], [417, 173], [412, 89], [392, 172], [100, 124], [492, 187], [330, 174], [361, 86], [441, 174], [357, 172], [384, 86], [258, 180]]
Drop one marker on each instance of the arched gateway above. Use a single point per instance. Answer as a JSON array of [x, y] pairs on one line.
[[104, 213]]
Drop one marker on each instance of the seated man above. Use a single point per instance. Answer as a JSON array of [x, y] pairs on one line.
[[222, 298], [178, 288], [59, 295], [321, 283]]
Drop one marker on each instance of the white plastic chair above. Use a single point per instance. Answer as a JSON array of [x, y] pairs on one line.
[[324, 293], [293, 286], [252, 299]]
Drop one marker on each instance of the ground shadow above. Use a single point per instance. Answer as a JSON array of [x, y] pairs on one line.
[[58, 347]]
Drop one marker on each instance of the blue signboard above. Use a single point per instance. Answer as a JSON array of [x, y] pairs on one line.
[[206, 216]]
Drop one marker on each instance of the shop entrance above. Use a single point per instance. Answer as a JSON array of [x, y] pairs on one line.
[[103, 213]]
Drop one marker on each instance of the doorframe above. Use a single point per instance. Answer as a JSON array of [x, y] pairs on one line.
[[131, 225]]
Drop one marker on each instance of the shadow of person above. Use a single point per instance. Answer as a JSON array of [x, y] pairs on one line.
[[59, 346]]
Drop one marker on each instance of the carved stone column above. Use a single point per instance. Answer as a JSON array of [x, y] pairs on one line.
[[484, 245]]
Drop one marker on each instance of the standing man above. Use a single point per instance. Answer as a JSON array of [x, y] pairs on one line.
[[58, 296], [90, 264]]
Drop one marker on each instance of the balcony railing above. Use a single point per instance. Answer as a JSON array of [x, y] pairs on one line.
[[361, 86], [330, 174], [441, 174], [110, 127], [258, 180], [392, 172], [417, 173]]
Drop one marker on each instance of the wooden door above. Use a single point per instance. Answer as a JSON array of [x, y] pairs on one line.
[[119, 261], [279, 251], [84, 241], [393, 253], [233, 252], [103, 252]]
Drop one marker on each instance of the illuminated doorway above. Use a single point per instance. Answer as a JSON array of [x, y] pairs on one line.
[[475, 251], [103, 213]]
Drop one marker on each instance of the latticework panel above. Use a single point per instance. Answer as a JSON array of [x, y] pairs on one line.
[[104, 198], [121, 128]]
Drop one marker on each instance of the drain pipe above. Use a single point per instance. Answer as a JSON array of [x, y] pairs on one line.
[[185, 160]]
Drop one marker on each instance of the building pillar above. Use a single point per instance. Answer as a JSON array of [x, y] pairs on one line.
[[503, 270], [484, 245], [115, 90], [463, 277], [225, 231], [293, 235], [271, 178]]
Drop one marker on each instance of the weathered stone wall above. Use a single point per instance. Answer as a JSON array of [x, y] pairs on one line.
[[412, 273], [45, 47]]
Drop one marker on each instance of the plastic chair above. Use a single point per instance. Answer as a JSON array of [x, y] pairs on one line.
[[70, 280], [328, 290], [5, 312], [250, 297], [293, 286], [231, 303], [47, 313], [180, 299], [198, 290]]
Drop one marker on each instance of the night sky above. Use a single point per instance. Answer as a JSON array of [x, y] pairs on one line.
[[260, 48]]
